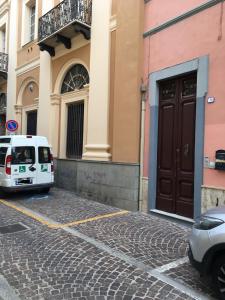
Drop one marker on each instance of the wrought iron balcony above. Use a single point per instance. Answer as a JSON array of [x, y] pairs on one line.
[[63, 22], [3, 65]]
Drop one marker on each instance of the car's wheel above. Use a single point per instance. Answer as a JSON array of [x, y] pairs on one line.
[[219, 277]]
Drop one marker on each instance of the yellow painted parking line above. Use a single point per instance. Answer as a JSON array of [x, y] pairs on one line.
[[118, 213], [25, 212], [56, 226]]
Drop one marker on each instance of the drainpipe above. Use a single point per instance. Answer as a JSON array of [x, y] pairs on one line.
[[143, 90]]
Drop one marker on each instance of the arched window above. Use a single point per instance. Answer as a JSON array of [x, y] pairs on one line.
[[75, 79]]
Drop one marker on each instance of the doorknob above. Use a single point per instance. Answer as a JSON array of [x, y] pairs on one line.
[[186, 149]]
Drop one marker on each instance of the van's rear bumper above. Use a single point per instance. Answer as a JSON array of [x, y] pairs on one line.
[[9, 189]]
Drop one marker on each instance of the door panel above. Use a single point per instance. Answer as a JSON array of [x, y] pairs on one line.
[[44, 174], [23, 166], [176, 145], [167, 114]]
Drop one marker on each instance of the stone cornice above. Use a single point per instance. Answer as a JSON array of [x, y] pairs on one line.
[[4, 8], [55, 99]]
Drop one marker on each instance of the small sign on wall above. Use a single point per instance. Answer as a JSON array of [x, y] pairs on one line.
[[211, 99]]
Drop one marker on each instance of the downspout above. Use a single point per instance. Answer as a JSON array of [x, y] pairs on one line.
[[143, 90]]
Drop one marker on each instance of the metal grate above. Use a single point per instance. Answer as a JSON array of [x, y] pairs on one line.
[[3, 62], [12, 228], [75, 79], [66, 12], [75, 126], [32, 122]]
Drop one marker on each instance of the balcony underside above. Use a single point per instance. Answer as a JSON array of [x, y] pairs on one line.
[[64, 36]]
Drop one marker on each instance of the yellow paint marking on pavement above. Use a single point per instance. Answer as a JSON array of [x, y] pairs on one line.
[[25, 212], [57, 225], [118, 213]]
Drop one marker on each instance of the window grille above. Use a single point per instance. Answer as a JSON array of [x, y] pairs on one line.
[[32, 122], [75, 79], [3, 41], [75, 124]]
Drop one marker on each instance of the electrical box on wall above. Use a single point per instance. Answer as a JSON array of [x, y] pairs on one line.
[[220, 160]]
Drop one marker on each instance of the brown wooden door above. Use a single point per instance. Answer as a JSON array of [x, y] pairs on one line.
[[176, 144]]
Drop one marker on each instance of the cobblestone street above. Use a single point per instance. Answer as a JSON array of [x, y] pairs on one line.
[[73, 248]]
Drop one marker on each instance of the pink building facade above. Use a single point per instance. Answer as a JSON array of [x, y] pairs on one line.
[[184, 123]]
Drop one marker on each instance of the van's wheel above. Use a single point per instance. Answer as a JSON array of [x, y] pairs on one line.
[[45, 190], [218, 277]]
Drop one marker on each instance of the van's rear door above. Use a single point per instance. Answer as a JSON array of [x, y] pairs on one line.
[[44, 174], [3, 153], [24, 166]]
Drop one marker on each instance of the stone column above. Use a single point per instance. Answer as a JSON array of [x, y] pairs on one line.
[[45, 85], [98, 147]]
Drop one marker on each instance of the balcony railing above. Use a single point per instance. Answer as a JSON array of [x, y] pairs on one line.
[[3, 62], [65, 13]]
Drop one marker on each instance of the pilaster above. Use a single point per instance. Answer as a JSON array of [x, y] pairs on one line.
[[97, 147], [12, 61], [45, 85]]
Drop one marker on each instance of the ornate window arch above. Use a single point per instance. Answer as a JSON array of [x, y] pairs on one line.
[[75, 79]]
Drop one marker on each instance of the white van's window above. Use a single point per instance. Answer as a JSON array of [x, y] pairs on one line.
[[3, 151], [5, 140], [23, 155], [44, 155]]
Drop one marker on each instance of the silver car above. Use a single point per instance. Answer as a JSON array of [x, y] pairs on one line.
[[207, 247]]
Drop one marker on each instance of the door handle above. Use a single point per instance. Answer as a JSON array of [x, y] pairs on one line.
[[32, 169], [186, 149]]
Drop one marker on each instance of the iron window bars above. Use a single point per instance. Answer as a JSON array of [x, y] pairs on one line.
[[3, 62], [66, 12]]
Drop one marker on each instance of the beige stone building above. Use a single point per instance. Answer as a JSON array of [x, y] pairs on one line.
[[74, 75]]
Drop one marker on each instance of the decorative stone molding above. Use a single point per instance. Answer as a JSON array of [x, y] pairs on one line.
[[55, 99], [4, 7], [113, 23], [36, 101], [18, 108], [97, 152], [77, 93]]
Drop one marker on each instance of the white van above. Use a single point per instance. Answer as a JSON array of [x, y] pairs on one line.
[[26, 163]]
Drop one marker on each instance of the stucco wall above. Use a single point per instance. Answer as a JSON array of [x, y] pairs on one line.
[[128, 61], [32, 75], [28, 97], [193, 37], [82, 54], [159, 11], [29, 52]]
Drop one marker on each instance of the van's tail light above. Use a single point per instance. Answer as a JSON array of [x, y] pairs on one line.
[[8, 162], [52, 163]]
